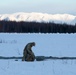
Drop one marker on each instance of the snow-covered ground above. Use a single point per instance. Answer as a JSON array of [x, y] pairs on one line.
[[12, 44]]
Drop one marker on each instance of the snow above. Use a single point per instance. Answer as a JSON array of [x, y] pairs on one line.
[[39, 17], [12, 44], [53, 67]]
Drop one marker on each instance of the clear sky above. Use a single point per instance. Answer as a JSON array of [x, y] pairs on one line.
[[43, 6]]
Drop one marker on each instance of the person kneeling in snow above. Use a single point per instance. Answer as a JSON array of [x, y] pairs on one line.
[[28, 54]]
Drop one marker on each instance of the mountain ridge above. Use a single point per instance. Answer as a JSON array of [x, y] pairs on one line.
[[39, 17]]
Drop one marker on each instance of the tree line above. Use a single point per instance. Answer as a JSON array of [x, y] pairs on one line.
[[36, 27]]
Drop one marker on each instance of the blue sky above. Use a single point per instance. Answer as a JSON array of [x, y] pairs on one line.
[[43, 6]]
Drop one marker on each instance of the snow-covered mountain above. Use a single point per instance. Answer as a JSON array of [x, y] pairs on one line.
[[39, 17]]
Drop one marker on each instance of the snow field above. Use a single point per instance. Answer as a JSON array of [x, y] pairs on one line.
[[46, 45], [54, 67]]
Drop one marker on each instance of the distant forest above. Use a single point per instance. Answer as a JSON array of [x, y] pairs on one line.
[[35, 27]]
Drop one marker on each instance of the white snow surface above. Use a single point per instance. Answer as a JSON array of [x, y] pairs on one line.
[[40, 17], [12, 44]]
